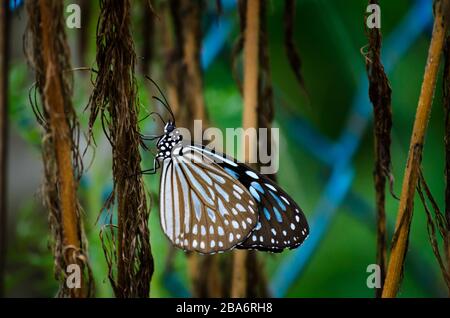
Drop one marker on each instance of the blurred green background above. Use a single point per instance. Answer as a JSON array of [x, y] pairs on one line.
[[329, 35]]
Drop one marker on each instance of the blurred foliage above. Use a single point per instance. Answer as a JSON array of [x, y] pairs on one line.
[[329, 35]]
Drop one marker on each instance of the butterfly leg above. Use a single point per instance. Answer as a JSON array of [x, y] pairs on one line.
[[156, 166]]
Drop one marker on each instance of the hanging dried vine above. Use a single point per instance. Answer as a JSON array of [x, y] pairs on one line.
[[239, 43], [248, 276], [48, 54], [148, 35], [185, 90], [405, 211], [434, 220], [380, 96], [114, 99], [291, 50], [250, 120]]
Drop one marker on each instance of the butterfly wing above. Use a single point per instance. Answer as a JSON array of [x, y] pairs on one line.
[[203, 208], [282, 223]]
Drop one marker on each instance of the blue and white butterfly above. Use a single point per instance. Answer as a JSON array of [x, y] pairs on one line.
[[210, 202]]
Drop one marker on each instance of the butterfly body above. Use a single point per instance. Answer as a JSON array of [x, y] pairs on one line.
[[210, 202]]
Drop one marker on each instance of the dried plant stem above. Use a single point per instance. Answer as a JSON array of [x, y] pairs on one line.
[[191, 17], [115, 99], [438, 222], [148, 35], [380, 96], [83, 33], [185, 92], [48, 53], [404, 217], [250, 119], [61, 131], [291, 50], [3, 134], [61, 134], [205, 273]]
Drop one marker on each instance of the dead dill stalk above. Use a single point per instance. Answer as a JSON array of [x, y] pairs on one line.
[[250, 120], [185, 92], [115, 98], [289, 44], [190, 13], [148, 35], [49, 55], [438, 222], [405, 211], [380, 96]]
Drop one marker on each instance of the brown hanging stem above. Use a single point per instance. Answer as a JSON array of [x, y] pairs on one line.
[[185, 93], [438, 222], [204, 269], [190, 13], [148, 34], [380, 96], [405, 211], [115, 99], [61, 131], [291, 50], [48, 53], [4, 19], [250, 120]]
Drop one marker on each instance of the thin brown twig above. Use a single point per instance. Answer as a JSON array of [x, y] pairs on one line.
[[148, 35], [48, 53], [115, 99], [380, 96], [405, 211], [432, 222], [250, 119], [291, 50]]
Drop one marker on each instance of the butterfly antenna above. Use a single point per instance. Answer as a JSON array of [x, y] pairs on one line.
[[153, 113], [150, 137], [166, 106], [165, 102]]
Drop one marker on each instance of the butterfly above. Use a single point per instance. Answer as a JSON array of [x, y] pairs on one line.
[[211, 203]]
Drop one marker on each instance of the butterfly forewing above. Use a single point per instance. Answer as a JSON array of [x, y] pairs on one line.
[[203, 208], [282, 223]]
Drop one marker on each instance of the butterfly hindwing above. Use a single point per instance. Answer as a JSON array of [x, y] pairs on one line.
[[282, 223], [202, 207]]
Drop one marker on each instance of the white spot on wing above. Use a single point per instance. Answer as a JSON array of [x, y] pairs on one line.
[[252, 174], [238, 189]]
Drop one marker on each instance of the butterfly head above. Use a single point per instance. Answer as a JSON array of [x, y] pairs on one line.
[[169, 127], [169, 140]]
